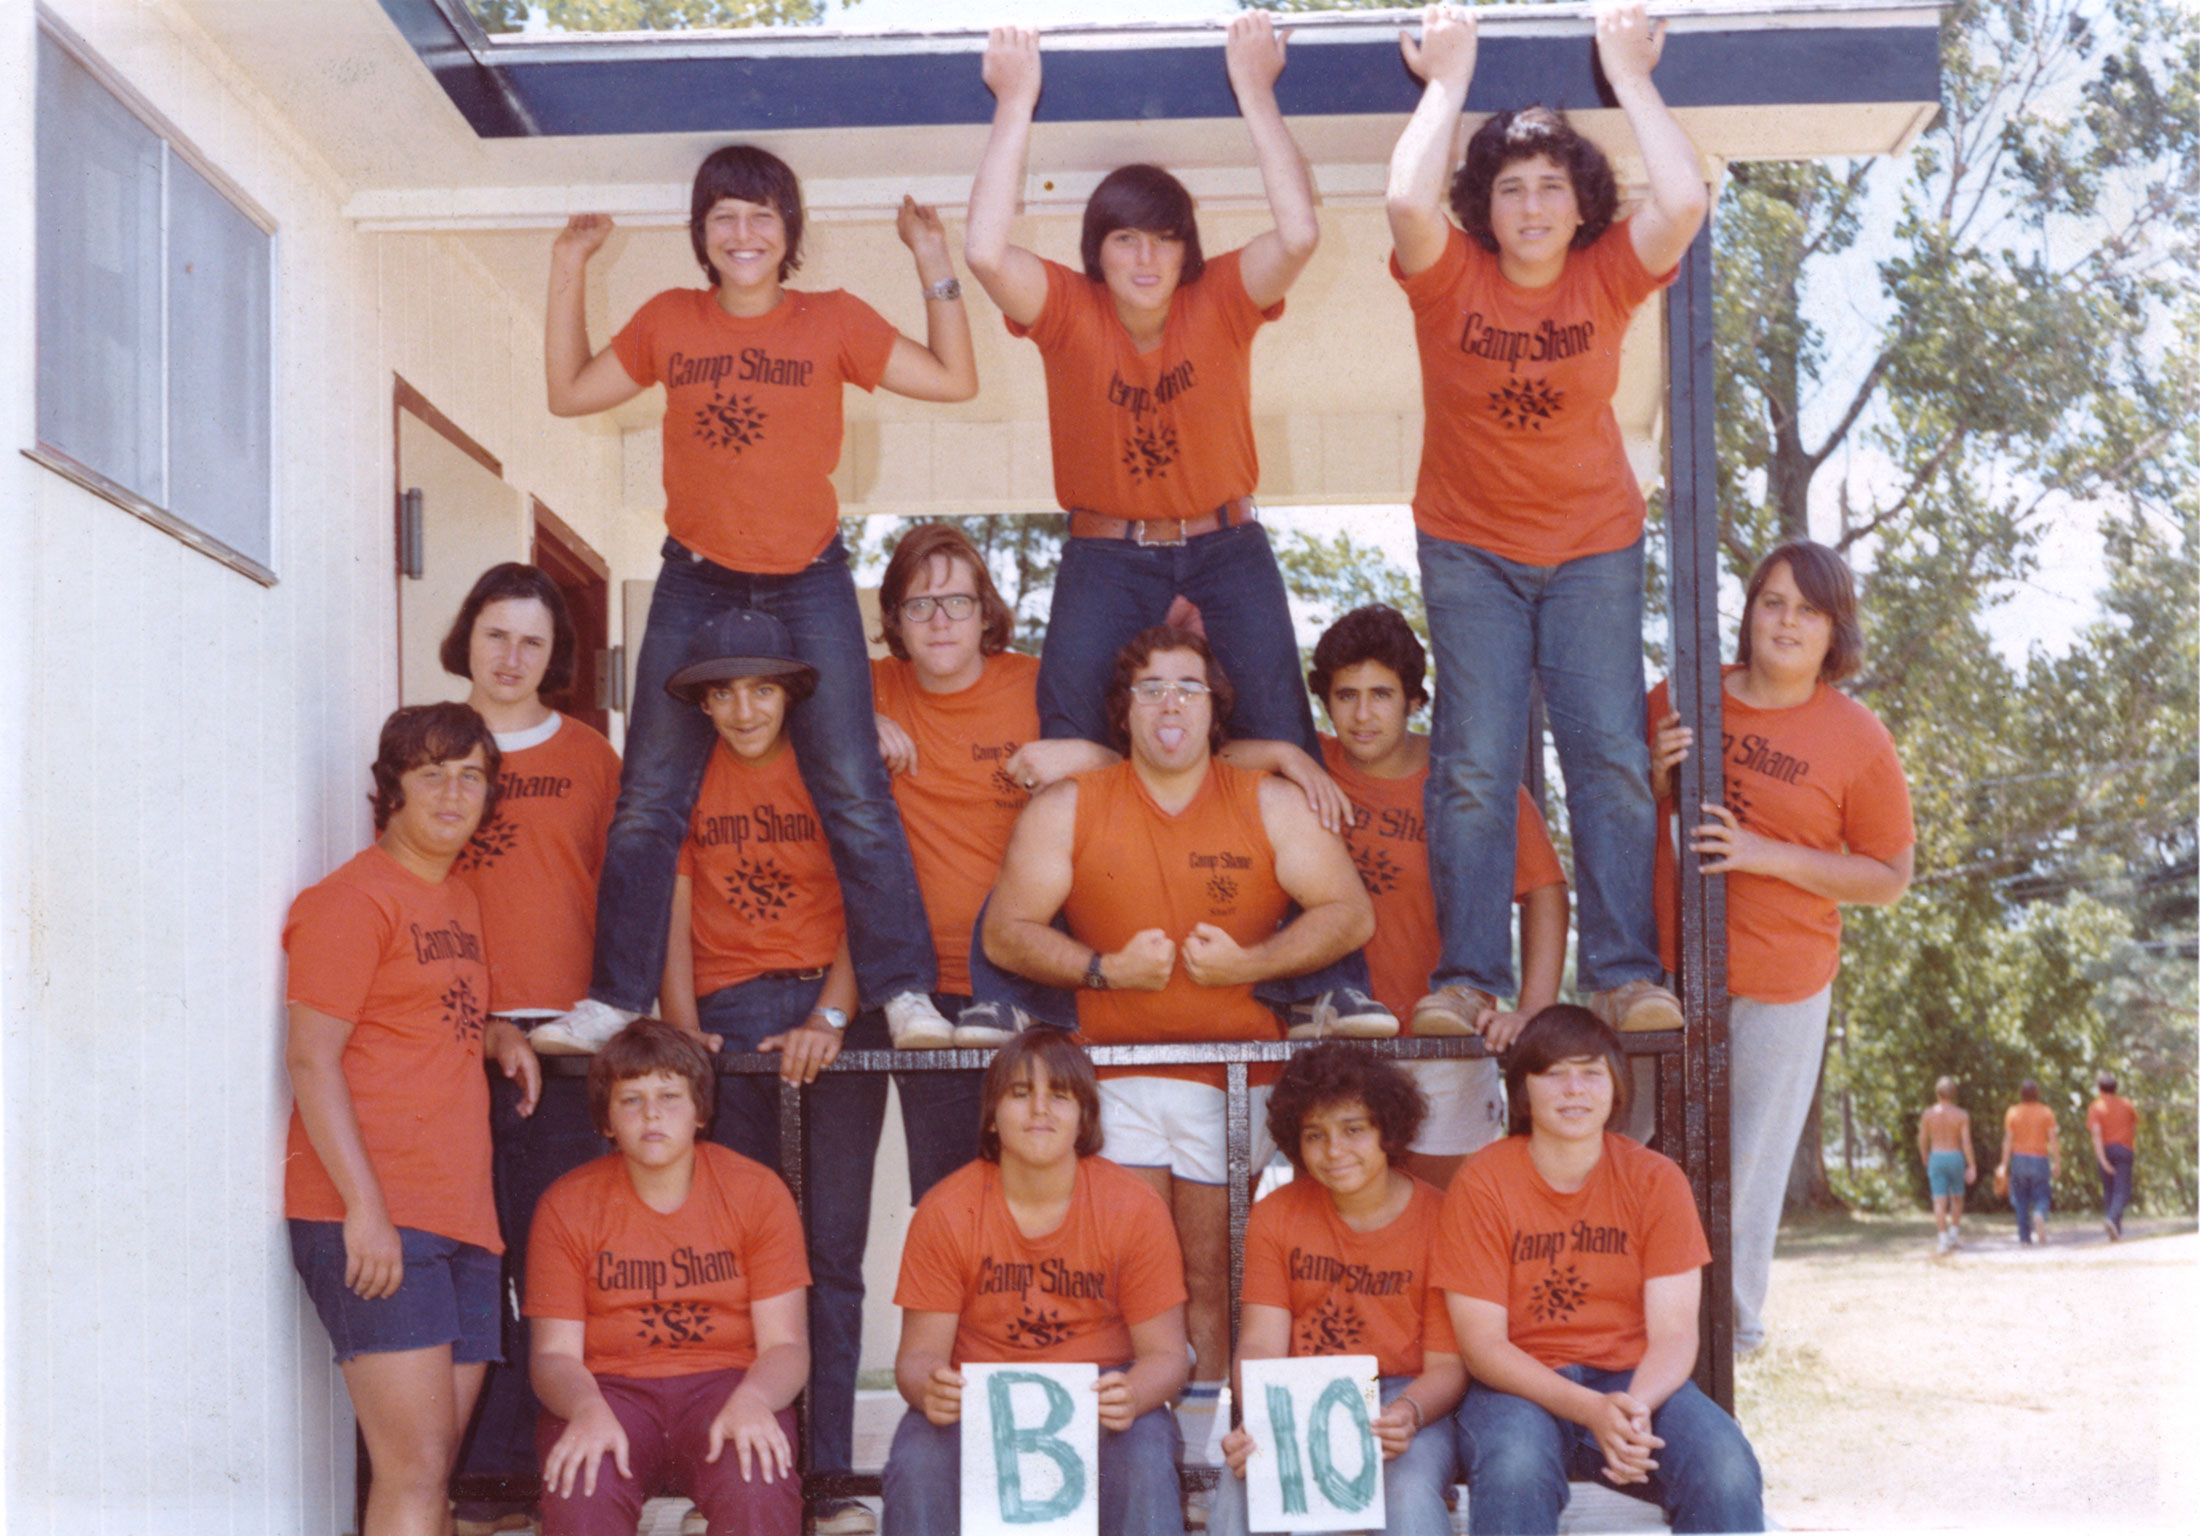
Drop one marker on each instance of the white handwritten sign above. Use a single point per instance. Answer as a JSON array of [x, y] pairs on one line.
[[1030, 1450], [1317, 1466]]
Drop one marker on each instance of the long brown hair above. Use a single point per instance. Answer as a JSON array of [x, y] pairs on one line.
[[1824, 580]]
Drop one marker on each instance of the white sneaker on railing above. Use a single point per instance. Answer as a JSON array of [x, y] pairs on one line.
[[581, 1032], [916, 1025]]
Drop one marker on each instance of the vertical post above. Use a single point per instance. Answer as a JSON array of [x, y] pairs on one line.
[[1692, 528], [1238, 1127]]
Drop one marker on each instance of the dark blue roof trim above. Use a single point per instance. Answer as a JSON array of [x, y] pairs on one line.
[[835, 86]]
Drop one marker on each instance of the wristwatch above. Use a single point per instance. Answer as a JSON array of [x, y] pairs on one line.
[[947, 288], [1093, 979], [832, 1016]]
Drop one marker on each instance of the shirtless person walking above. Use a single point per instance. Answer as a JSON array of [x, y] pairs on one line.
[[1944, 1142]]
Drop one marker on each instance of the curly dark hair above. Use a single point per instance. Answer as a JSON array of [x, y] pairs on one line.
[[1559, 1033], [1337, 1072], [1377, 632], [504, 583], [751, 175], [1143, 647], [1824, 580], [645, 1048], [1522, 135], [429, 733], [1142, 197], [1065, 1063], [916, 551]]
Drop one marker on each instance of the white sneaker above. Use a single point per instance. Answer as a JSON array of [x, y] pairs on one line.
[[581, 1032], [916, 1025]]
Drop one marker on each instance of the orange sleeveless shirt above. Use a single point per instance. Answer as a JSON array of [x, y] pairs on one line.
[[1134, 866]]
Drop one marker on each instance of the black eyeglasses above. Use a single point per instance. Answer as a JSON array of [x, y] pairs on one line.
[[957, 605]]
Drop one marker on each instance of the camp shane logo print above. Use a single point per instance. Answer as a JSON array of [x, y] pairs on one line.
[[729, 420], [1222, 890], [1379, 872], [1222, 869], [759, 889], [1560, 1292], [1333, 1328], [1150, 449], [670, 1324], [462, 1011], [1038, 1327], [489, 844], [1526, 403]]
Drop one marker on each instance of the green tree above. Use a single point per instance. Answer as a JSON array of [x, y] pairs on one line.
[[649, 15]]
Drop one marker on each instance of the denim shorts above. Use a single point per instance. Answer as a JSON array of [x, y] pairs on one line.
[[448, 1296]]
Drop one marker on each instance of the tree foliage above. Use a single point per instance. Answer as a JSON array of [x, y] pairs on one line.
[[649, 15]]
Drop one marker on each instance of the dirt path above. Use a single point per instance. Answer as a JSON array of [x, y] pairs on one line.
[[1998, 1388]]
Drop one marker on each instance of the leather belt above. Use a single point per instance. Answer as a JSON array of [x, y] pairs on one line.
[[811, 975], [1162, 531]]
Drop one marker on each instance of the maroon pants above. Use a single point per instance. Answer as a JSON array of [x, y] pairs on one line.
[[667, 1423]]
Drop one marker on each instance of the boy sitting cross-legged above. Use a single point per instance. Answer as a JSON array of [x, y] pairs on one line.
[[667, 1288]]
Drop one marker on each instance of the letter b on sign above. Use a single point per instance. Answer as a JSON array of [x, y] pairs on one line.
[[1030, 1450], [1316, 1465]]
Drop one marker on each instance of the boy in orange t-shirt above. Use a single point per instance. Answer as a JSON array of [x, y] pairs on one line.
[[1574, 1261], [1337, 1263], [2031, 1161], [534, 871], [1040, 1250], [667, 1285], [1528, 515], [2112, 1122], [754, 373]]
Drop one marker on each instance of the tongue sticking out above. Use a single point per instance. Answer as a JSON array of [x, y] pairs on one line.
[[1170, 736]]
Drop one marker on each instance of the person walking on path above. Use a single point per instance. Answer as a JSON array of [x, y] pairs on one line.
[[1944, 1142], [2031, 1160], [2113, 1123]]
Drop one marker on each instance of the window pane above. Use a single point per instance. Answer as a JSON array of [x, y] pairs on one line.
[[99, 362], [218, 365]]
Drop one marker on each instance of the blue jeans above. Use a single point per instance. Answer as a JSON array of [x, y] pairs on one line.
[[1138, 1486], [532, 1153], [2116, 1184], [1518, 1459], [1576, 627], [1107, 590], [835, 739], [1413, 1484], [843, 1112], [2030, 1189]]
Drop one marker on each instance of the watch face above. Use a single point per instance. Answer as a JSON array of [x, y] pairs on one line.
[[832, 1016]]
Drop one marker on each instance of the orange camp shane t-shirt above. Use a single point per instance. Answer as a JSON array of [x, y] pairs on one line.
[[2027, 1126], [2116, 1118], [1348, 1292], [1133, 867], [1072, 1295], [665, 1294], [534, 867], [1389, 843], [753, 417], [1520, 452], [960, 805], [399, 959], [1568, 1268], [1822, 774], [1166, 433], [765, 896]]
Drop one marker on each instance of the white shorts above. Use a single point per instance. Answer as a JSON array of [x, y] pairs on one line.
[[1466, 1105], [1166, 1122]]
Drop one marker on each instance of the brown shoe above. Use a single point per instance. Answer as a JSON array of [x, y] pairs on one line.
[[1636, 1007], [1450, 1011]]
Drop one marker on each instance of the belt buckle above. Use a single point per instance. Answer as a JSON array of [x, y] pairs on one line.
[[1138, 533]]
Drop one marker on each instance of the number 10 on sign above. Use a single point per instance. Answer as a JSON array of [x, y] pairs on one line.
[[1316, 1466]]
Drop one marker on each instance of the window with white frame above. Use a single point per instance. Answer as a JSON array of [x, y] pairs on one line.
[[154, 317]]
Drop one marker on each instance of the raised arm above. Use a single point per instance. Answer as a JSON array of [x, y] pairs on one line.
[[1628, 45], [1253, 53], [1313, 867], [1012, 277], [1421, 164], [579, 384], [943, 368]]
